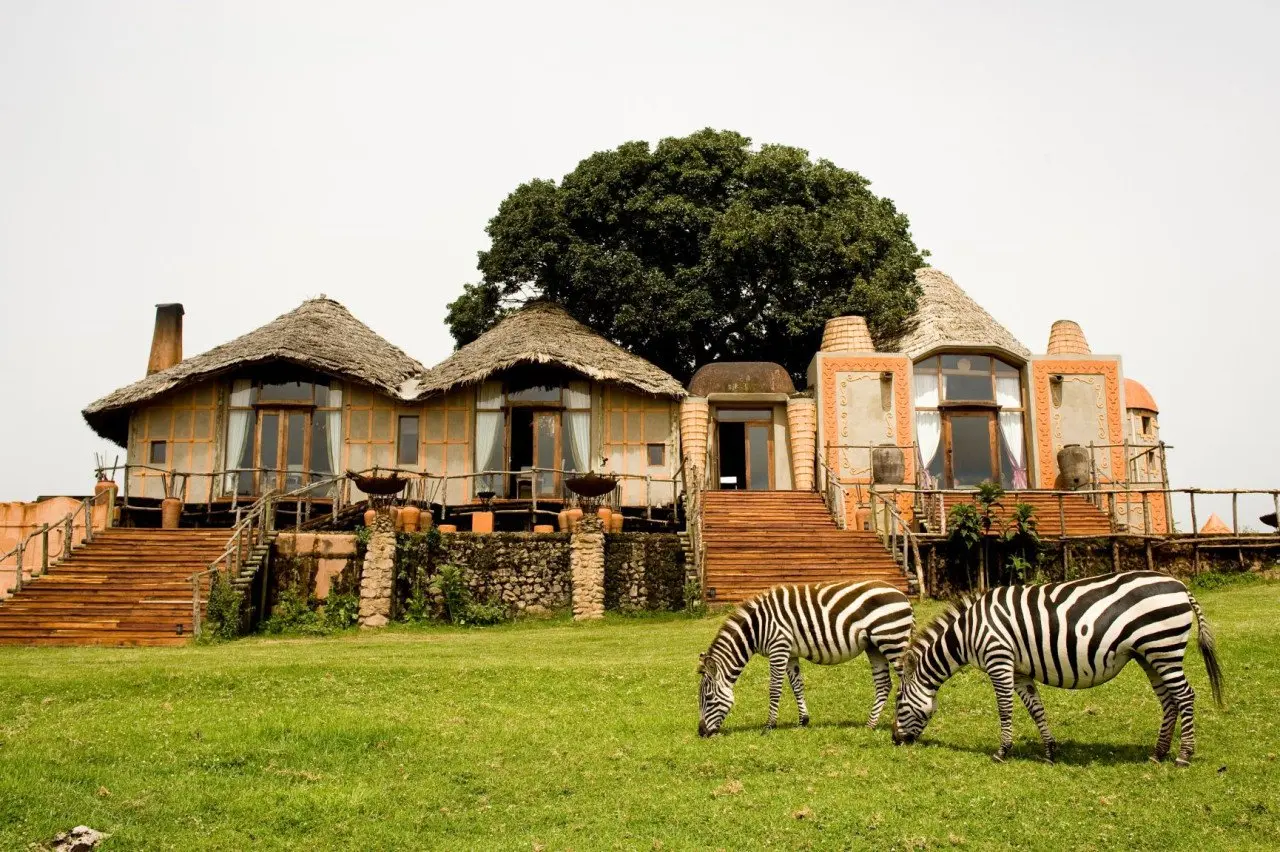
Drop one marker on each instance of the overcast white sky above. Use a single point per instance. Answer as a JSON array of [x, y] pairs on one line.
[[1114, 163]]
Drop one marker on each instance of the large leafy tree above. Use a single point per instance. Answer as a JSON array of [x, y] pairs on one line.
[[699, 250]]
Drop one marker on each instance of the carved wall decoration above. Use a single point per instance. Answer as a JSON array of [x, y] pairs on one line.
[[1048, 425]]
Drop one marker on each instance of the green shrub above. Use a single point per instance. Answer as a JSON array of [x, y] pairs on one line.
[[693, 602], [223, 612], [1216, 580], [341, 611], [294, 613]]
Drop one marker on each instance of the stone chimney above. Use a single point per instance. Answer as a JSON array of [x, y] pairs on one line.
[[847, 334], [1067, 338], [166, 340]]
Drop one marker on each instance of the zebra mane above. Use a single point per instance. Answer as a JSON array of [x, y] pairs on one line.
[[924, 636]]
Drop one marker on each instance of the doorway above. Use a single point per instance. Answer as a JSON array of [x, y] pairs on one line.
[[534, 441], [744, 441], [283, 448]]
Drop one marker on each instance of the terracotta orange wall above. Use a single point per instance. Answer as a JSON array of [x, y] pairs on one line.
[[18, 520], [833, 371], [1046, 423]]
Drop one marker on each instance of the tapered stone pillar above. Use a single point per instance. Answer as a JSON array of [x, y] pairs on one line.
[[586, 566], [377, 579], [802, 431]]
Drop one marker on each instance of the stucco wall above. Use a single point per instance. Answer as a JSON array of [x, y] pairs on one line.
[[191, 423], [1085, 407], [629, 423], [18, 520]]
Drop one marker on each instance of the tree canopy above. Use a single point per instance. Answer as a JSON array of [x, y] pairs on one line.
[[698, 250]]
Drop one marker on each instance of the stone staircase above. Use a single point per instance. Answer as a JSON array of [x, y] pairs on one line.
[[758, 539], [126, 587]]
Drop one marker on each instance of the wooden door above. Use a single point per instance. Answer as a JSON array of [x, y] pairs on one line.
[[971, 445], [758, 435], [546, 451], [283, 442]]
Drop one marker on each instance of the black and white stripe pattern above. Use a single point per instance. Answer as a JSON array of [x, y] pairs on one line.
[[1072, 635], [827, 623]]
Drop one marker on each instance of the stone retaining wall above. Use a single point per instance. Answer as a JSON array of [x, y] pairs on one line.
[[527, 572], [643, 571]]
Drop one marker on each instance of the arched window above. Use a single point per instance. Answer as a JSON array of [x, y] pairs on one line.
[[970, 421]]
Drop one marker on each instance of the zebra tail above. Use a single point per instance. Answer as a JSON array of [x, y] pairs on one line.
[[1207, 650]]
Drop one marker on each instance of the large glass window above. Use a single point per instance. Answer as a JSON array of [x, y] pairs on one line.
[[949, 389], [281, 434]]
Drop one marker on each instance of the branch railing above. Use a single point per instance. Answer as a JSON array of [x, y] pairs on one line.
[[251, 529], [897, 536], [832, 493], [692, 493], [66, 527], [337, 491]]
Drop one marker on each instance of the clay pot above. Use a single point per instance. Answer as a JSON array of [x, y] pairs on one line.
[[482, 522], [887, 466], [575, 515], [1073, 462], [410, 517], [543, 528], [370, 516], [605, 514], [395, 518], [448, 528], [562, 521], [615, 523], [170, 513]]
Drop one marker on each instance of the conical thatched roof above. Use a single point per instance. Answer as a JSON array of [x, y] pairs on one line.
[[948, 316], [320, 334], [542, 333]]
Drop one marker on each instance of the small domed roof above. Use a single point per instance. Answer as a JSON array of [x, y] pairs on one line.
[[1136, 396], [741, 377]]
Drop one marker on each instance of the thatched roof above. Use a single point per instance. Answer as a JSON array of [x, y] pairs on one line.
[[948, 316], [544, 334], [320, 334]]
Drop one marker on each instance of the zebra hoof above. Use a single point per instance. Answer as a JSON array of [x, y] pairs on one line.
[[998, 757], [1156, 759], [1183, 762], [804, 721]]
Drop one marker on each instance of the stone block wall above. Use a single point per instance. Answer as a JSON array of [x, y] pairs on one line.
[[643, 571], [527, 572]]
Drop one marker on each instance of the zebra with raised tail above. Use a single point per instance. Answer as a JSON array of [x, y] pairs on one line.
[[827, 623], [1072, 635]]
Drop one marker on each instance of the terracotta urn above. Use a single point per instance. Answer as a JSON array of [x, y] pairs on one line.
[[562, 520], [369, 516], [615, 522], [170, 513], [410, 517], [448, 528], [575, 515], [605, 514]]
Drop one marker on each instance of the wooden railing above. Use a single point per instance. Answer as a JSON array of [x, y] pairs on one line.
[[337, 491], [832, 493], [897, 536], [251, 529], [66, 524]]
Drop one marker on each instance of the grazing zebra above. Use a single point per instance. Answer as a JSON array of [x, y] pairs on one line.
[[827, 623], [1072, 635]]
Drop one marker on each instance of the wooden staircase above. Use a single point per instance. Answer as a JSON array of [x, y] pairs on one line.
[[758, 539], [1082, 516], [126, 587]]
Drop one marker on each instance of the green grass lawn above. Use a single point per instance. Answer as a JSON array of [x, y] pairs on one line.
[[561, 736]]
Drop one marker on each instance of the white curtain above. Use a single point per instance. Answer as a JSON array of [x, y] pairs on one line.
[[928, 441], [1008, 392], [577, 443], [489, 396], [335, 429], [1015, 450], [577, 395], [489, 445], [239, 428], [928, 424]]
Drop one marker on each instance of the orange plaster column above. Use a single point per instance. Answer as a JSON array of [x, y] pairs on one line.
[[802, 431], [695, 414]]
